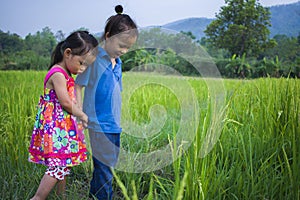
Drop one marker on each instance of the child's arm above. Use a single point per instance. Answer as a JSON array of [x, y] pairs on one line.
[[59, 85], [78, 89]]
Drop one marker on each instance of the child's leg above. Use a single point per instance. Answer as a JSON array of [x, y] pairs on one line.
[[45, 187], [61, 186], [105, 148], [51, 177], [61, 174]]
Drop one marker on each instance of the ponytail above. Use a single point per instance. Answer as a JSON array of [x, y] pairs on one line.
[[57, 54]]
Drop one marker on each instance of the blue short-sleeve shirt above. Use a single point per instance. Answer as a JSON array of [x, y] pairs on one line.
[[102, 94]]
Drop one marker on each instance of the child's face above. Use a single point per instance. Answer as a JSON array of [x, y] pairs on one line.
[[77, 64], [118, 45]]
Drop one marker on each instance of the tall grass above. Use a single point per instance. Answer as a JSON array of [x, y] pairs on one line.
[[255, 157]]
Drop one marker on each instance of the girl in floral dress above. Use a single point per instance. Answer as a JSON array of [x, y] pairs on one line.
[[57, 139]]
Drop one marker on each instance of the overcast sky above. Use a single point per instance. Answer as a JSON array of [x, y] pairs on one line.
[[29, 16]]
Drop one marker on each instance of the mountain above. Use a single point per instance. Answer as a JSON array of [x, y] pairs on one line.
[[285, 19], [194, 25]]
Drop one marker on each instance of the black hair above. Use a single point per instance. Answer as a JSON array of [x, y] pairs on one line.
[[119, 23], [80, 43]]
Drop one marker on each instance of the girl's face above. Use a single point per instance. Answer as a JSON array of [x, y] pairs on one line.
[[118, 45], [77, 64]]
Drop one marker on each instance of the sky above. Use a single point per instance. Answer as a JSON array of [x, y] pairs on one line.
[[29, 16]]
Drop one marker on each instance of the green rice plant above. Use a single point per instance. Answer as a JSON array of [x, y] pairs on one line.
[[256, 156]]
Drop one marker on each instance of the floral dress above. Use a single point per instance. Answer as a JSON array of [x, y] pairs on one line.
[[57, 138]]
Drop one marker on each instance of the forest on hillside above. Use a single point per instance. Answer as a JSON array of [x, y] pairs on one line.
[[33, 53]]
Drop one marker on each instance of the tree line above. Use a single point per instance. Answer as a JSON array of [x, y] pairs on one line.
[[237, 41]]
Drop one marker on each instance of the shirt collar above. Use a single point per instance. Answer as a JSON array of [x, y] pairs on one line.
[[103, 53], [118, 61]]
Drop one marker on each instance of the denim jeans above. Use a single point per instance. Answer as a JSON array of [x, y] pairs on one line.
[[105, 149]]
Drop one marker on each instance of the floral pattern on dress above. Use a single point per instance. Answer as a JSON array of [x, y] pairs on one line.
[[57, 138]]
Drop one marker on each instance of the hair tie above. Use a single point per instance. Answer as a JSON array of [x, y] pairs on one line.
[[119, 9]]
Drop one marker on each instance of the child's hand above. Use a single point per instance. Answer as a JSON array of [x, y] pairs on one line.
[[84, 120], [74, 101], [77, 104]]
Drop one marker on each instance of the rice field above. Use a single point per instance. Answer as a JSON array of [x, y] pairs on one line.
[[183, 138]]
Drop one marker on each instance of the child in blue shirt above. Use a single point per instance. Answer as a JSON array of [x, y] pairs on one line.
[[102, 99]]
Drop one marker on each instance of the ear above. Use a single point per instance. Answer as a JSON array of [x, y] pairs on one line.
[[106, 35], [67, 52]]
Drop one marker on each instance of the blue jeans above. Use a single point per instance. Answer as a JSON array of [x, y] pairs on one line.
[[105, 149]]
